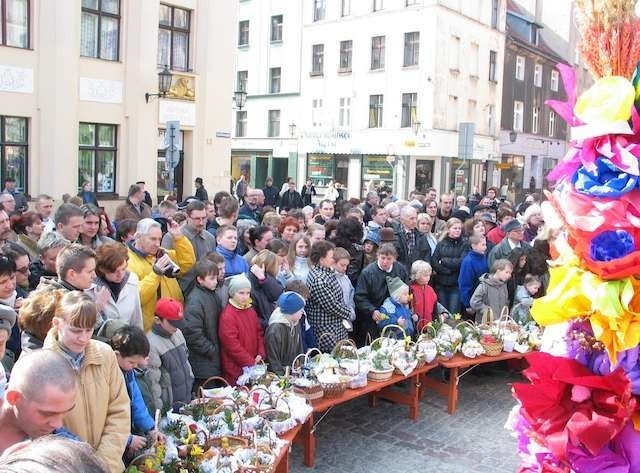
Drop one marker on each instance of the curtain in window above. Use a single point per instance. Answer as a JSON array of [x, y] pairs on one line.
[[89, 35], [164, 47], [110, 6], [109, 38], [15, 164], [15, 130], [86, 169], [106, 171], [180, 51], [17, 23]]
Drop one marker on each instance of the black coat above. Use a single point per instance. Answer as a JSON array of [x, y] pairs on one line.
[[264, 296], [291, 200], [202, 194], [446, 261], [201, 312], [422, 250], [271, 196], [307, 194]]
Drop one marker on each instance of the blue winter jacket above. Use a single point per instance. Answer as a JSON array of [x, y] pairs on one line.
[[140, 419], [233, 262], [394, 311], [473, 266]]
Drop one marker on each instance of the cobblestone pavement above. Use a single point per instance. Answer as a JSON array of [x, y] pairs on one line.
[[353, 438]]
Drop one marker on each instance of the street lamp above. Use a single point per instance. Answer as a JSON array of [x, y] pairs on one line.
[[240, 98], [292, 129], [164, 84]]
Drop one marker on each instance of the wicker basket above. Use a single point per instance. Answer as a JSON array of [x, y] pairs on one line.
[[310, 393], [332, 390], [492, 349], [375, 375]]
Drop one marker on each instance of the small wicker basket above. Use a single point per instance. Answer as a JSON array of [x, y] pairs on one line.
[[383, 375], [332, 390]]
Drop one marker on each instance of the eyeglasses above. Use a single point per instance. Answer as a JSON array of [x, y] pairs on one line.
[[24, 270]]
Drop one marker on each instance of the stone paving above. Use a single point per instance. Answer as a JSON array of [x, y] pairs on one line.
[[353, 438]]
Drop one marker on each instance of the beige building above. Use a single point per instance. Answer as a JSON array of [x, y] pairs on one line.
[[73, 79]]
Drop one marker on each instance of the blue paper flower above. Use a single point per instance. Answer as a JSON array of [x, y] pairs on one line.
[[604, 181], [610, 245]]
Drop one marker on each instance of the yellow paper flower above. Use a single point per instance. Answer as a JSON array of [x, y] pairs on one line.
[[608, 100]]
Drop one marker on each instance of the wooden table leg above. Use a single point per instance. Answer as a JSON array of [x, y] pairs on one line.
[[372, 400], [308, 442], [414, 391], [453, 390]]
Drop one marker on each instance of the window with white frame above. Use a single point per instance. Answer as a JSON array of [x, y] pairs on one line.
[[375, 111], [317, 59], [344, 112], [316, 113], [554, 80], [319, 10], [408, 3], [243, 33], [242, 78], [274, 80], [537, 75], [472, 110], [452, 113], [241, 123], [409, 110], [535, 120], [493, 66], [495, 6], [276, 28], [454, 53], [14, 21], [518, 115], [377, 5], [552, 124], [173, 37], [519, 67], [377, 52], [345, 9], [345, 55], [411, 48], [491, 118], [274, 123], [473, 60], [99, 28]]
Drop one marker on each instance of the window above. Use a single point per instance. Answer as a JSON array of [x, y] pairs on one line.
[[375, 111], [518, 108], [493, 58], [535, 120], [537, 75], [377, 5], [173, 37], [495, 6], [97, 156], [274, 123], [554, 81], [491, 118], [411, 48], [519, 67], [346, 8], [317, 60], [241, 123], [409, 110], [243, 33], [276, 28], [454, 54], [452, 113], [274, 80], [344, 116], [316, 112], [410, 2], [472, 107], [377, 53], [14, 25], [14, 142], [552, 124], [473, 60], [243, 77], [319, 10], [345, 55], [100, 29]]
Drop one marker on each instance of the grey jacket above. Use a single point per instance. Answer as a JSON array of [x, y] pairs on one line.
[[282, 341], [200, 331], [503, 249], [490, 293]]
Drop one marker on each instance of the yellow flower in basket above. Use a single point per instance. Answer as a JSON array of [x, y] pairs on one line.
[[608, 100]]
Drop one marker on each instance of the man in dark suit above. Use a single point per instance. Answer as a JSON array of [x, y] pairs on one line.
[[291, 199], [410, 243]]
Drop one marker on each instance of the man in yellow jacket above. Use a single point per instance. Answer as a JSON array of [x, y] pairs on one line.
[[157, 268]]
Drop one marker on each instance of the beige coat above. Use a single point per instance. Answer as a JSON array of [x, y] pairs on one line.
[[102, 414]]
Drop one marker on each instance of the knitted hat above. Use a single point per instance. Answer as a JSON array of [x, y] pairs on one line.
[[373, 237], [238, 282], [171, 310], [487, 217], [512, 225], [290, 302], [396, 286], [7, 317], [387, 235]]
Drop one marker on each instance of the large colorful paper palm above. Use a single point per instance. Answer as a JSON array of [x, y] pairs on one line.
[[580, 411]]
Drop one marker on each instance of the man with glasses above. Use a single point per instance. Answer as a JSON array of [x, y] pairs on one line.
[[195, 230]]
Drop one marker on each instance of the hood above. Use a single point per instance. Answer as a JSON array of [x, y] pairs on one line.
[[490, 281], [277, 317]]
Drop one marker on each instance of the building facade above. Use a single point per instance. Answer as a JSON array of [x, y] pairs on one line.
[[73, 79], [371, 92], [533, 137]]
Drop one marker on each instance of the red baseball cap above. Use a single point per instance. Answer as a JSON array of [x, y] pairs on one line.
[[170, 309]]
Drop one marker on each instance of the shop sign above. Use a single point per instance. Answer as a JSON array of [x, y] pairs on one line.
[[322, 139]]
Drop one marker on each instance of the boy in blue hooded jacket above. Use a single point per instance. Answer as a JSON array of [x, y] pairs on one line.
[[395, 308]]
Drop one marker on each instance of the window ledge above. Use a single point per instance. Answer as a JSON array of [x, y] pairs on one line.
[[243, 46], [276, 42], [409, 67], [454, 70], [493, 81], [377, 70], [344, 71], [473, 77], [316, 74]]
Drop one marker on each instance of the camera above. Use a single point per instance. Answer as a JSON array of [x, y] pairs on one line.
[[173, 269]]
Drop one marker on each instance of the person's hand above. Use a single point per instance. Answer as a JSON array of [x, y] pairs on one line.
[[469, 310], [162, 264], [414, 317], [284, 267], [137, 442], [156, 436], [175, 229], [258, 359], [102, 297], [376, 316], [258, 271], [402, 322]]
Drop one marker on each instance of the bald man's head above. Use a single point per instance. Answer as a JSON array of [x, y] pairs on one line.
[[35, 371]]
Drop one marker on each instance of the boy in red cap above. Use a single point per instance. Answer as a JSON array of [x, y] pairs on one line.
[[170, 373]]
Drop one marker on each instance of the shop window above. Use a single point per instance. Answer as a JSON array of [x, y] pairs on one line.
[[376, 168]]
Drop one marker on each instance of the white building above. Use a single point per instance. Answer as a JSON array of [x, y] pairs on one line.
[[369, 83], [73, 79]]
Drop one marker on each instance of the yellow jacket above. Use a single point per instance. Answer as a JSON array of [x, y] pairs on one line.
[[182, 254], [102, 414]]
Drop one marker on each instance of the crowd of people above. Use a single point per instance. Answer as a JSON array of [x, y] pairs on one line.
[[107, 319]]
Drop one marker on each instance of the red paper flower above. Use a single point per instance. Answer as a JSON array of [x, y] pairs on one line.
[[566, 403]]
